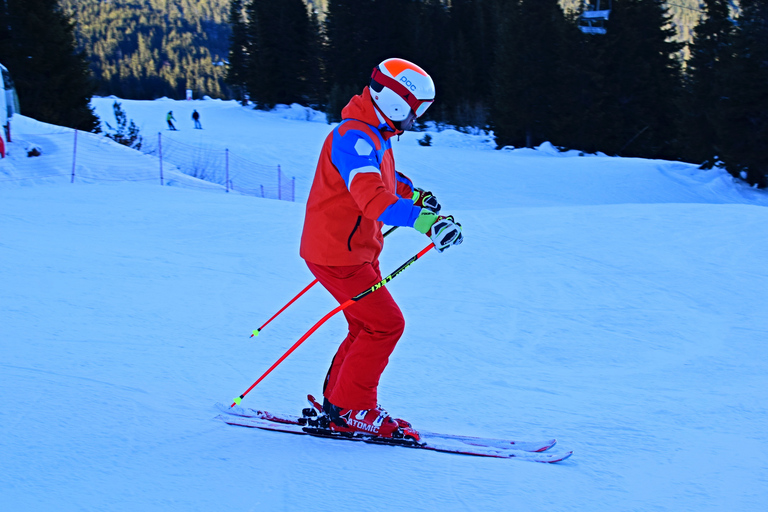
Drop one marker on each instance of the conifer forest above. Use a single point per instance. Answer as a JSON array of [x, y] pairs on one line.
[[676, 79]]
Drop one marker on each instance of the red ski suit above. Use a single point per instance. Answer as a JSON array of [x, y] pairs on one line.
[[355, 191]]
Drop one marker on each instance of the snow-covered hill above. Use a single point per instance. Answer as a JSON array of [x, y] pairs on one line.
[[619, 305]]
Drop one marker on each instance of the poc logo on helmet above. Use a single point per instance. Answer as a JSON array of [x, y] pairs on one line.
[[408, 83]]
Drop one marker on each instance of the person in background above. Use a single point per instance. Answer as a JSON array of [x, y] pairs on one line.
[[169, 117], [196, 119], [356, 190]]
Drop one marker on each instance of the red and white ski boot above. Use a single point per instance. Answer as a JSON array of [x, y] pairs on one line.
[[374, 422]]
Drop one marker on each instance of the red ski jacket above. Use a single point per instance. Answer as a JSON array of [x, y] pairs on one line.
[[356, 190]]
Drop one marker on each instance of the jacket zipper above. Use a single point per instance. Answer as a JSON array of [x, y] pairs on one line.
[[349, 240]]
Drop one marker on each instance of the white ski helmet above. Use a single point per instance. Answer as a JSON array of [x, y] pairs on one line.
[[399, 86]]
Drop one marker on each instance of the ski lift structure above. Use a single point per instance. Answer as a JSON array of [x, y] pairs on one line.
[[596, 13]]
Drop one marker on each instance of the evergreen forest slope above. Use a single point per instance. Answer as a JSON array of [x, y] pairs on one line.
[[154, 48], [147, 49]]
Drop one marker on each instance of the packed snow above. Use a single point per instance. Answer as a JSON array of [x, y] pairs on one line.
[[617, 304]]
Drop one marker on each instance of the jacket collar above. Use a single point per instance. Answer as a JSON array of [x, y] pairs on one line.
[[362, 108]]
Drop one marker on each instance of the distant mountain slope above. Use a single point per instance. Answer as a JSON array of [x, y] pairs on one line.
[[154, 48]]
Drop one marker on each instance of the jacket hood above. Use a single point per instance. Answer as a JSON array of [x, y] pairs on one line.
[[362, 108]]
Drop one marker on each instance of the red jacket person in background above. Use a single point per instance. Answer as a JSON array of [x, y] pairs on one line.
[[356, 190]]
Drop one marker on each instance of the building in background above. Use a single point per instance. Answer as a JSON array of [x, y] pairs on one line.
[[9, 105]]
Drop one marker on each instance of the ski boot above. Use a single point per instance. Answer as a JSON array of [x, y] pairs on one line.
[[371, 422]]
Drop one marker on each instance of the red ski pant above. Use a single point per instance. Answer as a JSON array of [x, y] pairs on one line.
[[375, 326]]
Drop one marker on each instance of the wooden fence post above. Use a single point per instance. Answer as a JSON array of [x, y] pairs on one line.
[[74, 159]]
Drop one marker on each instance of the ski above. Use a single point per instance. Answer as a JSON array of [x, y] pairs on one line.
[[426, 442], [502, 444], [450, 443]]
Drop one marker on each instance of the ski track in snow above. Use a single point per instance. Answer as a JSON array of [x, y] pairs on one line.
[[616, 304]]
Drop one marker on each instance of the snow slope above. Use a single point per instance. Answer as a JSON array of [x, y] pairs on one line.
[[617, 304]]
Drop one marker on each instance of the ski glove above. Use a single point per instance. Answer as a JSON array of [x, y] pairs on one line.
[[425, 199], [444, 231]]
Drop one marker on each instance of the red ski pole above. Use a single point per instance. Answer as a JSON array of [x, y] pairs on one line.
[[302, 292], [340, 307]]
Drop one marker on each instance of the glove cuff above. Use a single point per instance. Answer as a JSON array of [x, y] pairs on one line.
[[424, 221]]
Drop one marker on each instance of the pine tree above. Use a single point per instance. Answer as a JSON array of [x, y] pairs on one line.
[[705, 81], [743, 128], [429, 52], [640, 82], [313, 76], [282, 43], [123, 132], [349, 55], [578, 96], [360, 34], [238, 50], [466, 64], [529, 72], [52, 79]]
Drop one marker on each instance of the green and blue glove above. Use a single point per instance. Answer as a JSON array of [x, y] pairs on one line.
[[426, 199]]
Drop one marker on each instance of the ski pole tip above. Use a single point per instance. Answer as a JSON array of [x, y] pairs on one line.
[[255, 333], [236, 401]]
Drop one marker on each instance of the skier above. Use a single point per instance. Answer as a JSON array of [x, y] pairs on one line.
[[170, 118], [356, 190], [196, 118]]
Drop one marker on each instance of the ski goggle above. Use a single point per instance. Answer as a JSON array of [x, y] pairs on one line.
[[417, 106]]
